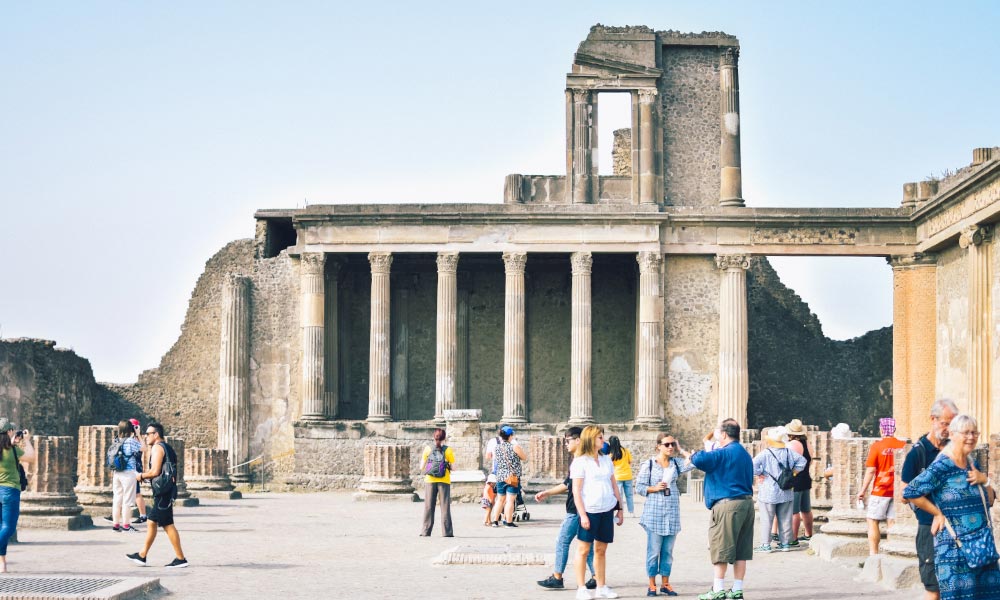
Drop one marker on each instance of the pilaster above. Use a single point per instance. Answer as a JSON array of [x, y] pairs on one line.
[[977, 240]]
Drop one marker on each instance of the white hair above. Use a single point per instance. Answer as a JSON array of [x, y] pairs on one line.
[[941, 404], [961, 424]]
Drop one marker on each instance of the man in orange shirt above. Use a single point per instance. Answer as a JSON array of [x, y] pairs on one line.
[[880, 469]]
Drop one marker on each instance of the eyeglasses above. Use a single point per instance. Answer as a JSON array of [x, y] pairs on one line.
[[974, 434]]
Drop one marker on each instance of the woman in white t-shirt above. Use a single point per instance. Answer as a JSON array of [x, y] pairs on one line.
[[598, 503]]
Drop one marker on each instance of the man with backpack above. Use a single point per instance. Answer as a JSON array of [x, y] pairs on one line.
[[162, 477], [920, 456], [775, 468], [436, 463]]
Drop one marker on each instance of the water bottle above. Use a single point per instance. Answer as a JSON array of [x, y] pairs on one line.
[[861, 504]]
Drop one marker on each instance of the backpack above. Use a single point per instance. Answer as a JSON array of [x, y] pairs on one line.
[[785, 477], [165, 484], [117, 460], [437, 466]]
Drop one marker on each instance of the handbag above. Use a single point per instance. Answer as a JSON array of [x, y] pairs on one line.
[[512, 480], [977, 547]]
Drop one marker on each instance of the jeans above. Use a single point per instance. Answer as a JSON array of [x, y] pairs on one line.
[[627, 489], [768, 512], [567, 533], [659, 554], [10, 510]]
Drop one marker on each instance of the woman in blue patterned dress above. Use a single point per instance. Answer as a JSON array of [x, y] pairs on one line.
[[950, 489], [661, 515]]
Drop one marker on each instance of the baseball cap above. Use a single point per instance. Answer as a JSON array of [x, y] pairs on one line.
[[507, 430], [134, 422]]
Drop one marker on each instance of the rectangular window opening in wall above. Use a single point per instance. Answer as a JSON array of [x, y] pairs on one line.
[[279, 234], [614, 134]]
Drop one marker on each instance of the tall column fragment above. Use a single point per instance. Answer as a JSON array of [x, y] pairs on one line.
[[386, 473], [734, 386], [649, 342], [447, 335], [977, 240], [379, 408], [50, 502], [234, 373], [581, 409], [184, 497], [514, 404], [729, 159], [207, 473], [93, 485], [312, 321]]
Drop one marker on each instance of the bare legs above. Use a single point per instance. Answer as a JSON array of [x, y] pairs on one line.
[[172, 535]]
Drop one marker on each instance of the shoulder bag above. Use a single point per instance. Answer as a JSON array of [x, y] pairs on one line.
[[977, 547]]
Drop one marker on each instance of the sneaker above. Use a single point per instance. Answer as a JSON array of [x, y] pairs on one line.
[[127, 528], [109, 519], [805, 538], [583, 594], [116, 527], [605, 592], [591, 584], [506, 524], [793, 543], [734, 594], [141, 519], [720, 595], [180, 563], [667, 590], [551, 583], [651, 593], [766, 548], [784, 547], [134, 557], [774, 537], [495, 524]]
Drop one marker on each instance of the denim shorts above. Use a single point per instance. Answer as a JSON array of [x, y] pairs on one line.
[[503, 488]]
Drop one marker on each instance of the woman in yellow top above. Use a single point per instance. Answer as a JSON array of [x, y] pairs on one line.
[[622, 460], [436, 463], [15, 446]]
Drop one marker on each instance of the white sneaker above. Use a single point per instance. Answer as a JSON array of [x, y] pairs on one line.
[[605, 592], [583, 594]]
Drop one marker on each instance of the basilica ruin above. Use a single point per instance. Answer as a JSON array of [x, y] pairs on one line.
[[621, 299]]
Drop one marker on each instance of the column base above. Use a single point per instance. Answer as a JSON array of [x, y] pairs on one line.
[[379, 418], [732, 202], [64, 523], [513, 420], [315, 418]]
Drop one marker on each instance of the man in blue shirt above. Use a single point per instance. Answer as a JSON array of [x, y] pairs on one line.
[[729, 495], [919, 457]]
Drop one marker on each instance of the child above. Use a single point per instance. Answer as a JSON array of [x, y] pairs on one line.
[[489, 497]]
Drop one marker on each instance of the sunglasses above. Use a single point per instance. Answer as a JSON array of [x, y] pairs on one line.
[[669, 444]]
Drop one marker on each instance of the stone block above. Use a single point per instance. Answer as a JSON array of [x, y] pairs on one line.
[[830, 547]]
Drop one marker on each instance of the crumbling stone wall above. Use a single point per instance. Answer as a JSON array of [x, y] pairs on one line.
[[953, 324], [48, 390], [621, 152]]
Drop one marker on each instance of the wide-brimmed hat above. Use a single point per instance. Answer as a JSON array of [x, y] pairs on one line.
[[776, 437], [6, 425], [795, 427]]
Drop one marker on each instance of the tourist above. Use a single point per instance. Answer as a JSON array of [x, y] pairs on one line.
[[139, 500], [661, 514], [880, 470], [489, 498], [490, 457], [15, 447], [598, 503], [729, 495], [436, 464], [957, 495], [570, 525], [124, 482], [802, 516], [622, 459], [161, 513], [508, 456], [920, 456], [772, 500]]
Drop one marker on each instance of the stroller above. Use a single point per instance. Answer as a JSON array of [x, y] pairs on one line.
[[520, 509]]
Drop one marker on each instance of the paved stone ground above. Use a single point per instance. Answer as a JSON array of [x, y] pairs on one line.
[[327, 546]]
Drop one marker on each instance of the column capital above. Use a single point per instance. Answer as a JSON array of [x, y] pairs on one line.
[[729, 56], [974, 235], [514, 262], [728, 262], [582, 262], [647, 95], [649, 262], [312, 262], [381, 261], [447, 262], [580, 94], [917, 259]]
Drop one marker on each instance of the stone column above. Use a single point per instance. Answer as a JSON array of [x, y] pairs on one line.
[[234, 373], [331, 345], [914, 341], [50, 502], [93, 485], [729, 159], [650, 322], [514, 405], [312, 301], [400, 338], [548, 462], [647, 170], [184, 497], [977, 239], [579, 142], [387, 474], [207, 474], [447, 335], [733, 379], [379, 408], [464, 436], [462, 332], [820, 446], [581, 408]]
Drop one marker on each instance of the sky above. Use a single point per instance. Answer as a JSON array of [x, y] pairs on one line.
[[136, 139]]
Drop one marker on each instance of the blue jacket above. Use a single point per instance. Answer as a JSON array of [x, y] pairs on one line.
[[728, 472]]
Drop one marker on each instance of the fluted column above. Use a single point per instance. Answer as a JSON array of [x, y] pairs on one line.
[[331, 345], [234, 373], [93, 484], [386, 473], [914, 341], [184, 497], [207, 473], [650, 321], [581, 409], [579, 107], [447, 335], [647, 171], [50, 502], [729, 89], [977, 240], [514, 405], [379, 408], [462, 346], [733, 379], [312, 301], [548, 461]]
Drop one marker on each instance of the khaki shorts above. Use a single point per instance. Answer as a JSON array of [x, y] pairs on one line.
[[730, 536], [880, 508]]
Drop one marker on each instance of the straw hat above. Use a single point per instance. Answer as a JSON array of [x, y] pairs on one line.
[[776, 437], [795, 427]]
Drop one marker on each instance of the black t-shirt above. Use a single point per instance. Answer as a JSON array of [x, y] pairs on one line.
[[915, 463], [570, 504], [803, 482]]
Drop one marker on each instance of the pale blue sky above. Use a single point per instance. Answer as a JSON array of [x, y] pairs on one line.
[[138, 138]]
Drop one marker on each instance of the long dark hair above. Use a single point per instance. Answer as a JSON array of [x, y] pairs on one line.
[[5, 443], [438, 437], [616, 448]]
